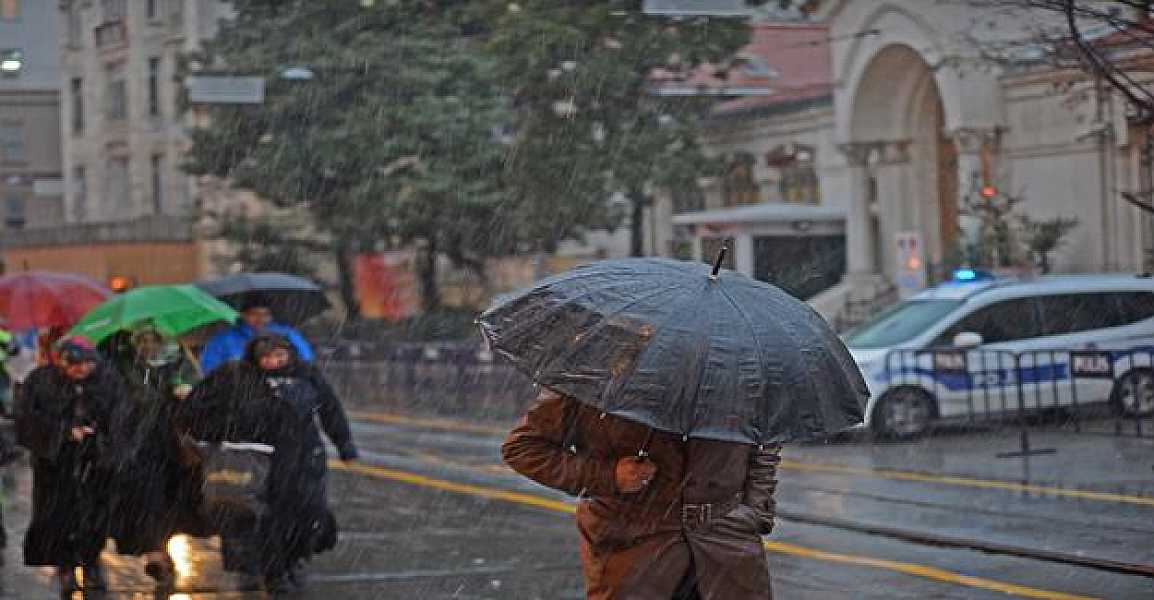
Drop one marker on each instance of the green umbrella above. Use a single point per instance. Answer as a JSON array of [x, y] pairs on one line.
[[172, 309]]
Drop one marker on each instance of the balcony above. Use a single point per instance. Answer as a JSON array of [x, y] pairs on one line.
[[111, 35]]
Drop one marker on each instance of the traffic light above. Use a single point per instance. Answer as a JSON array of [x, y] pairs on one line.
[[121, 283]]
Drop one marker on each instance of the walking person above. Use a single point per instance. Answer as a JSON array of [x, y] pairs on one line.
[[272, 397], [667, 389], [660, 517], [65, 421], [153, 499], [256, 318]]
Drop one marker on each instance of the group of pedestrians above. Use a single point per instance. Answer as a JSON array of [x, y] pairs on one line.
[[116, 435]]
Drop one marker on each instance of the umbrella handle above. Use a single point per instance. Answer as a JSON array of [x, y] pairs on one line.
[[717, 263], [188, 353], [643, 451]]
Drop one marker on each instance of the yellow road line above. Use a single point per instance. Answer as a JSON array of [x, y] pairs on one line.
[[534, 500], [429, 423], [968, 482], [921, 571], [993, 484]]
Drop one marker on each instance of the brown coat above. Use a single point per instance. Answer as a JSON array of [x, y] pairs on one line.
[[699, 521]]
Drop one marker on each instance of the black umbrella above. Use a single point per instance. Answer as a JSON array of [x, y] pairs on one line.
[[682, 349], [292, 299]]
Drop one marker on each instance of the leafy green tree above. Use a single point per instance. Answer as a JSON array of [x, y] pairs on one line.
[[586, 127], [1043, 237], [377, 121]]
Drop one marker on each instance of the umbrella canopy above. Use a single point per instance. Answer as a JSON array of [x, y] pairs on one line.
[[173, 309], [42, 299], [292, 299], [666, 344]]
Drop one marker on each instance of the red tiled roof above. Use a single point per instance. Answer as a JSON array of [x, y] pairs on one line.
[[797, 53]]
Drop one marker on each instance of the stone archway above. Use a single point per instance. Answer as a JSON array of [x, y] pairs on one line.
[[904, 166]]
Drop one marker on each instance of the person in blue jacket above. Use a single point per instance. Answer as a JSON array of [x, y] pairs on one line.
[[255, 318]]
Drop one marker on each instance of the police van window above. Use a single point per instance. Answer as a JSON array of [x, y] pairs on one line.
[[1002, 322], [1073, 313], [1136, 306]]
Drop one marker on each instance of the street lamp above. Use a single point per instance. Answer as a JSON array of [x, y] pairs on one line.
[[11, 62]]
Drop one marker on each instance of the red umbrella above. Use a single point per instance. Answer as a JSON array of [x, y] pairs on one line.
[[41, 299]]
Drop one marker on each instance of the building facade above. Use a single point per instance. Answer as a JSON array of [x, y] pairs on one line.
[[122, 135], [30, 158], [927, 127]]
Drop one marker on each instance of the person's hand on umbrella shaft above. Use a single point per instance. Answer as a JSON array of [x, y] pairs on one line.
[[79, 433], [633, 474]]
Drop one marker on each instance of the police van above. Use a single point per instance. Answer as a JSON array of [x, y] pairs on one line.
[[981, 346]]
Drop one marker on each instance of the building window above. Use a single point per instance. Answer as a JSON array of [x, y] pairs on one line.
[[9, 10], [79, 193], [12, 149], [738, 186], [158, 183], [113, 10], [116, 190], [16, 215], [154, 86], [117, 108], [798, 182], [77, 91], [150, 9]]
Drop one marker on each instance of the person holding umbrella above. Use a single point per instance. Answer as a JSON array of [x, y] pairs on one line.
[[667, 391], [65, 422], [274, 399], [154, 492], [256, 318], [153, 498]]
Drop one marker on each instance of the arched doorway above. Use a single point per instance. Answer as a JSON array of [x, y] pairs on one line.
[[897, 110]]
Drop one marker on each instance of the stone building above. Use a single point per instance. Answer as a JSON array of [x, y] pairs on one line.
[[929, 107], [30, 162], [126, 201]]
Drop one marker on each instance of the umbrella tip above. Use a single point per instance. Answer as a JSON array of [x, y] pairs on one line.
[[717, 263]]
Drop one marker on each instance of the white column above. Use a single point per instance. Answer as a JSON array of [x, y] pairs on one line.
[[743, 254], [860, 259]]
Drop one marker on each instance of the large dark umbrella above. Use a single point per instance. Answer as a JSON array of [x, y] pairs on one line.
[[292, 299], [674, 346]]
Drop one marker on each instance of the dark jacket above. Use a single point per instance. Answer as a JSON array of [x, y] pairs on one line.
[[241, 403], [155, 493], [570, 446], [71, 489]]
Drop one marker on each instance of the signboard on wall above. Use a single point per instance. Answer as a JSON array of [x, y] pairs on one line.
[[911, 267], [387, 285]]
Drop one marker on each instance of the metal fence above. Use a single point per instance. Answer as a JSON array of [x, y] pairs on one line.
[[461, 383], [1083, 391]]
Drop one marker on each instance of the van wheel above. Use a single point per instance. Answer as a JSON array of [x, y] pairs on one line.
[[903, 414], [1133, 394]]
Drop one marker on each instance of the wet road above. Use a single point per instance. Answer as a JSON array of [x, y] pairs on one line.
[[431, 513]]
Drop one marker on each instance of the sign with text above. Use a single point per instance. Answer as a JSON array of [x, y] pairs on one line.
[[1092, 364], [911, 267], [710, 8]]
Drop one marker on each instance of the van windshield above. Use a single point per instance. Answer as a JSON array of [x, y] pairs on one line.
[[899, 324]]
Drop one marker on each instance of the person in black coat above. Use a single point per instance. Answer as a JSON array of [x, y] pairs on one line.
[[65, 422], [153, 500], [272, 397]]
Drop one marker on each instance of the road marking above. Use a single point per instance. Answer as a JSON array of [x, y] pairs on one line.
[[968, 482], [429, 423], [921, 571], [794, 465], [534, 500]]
